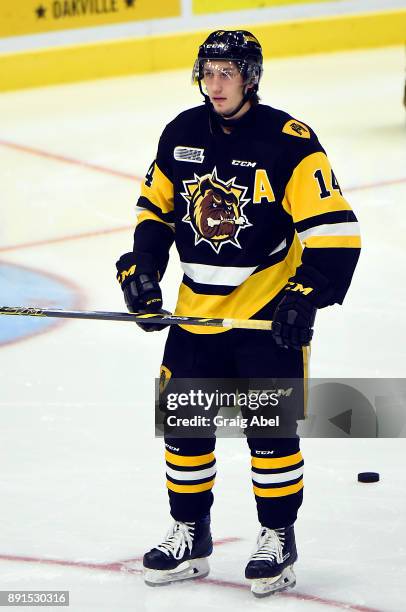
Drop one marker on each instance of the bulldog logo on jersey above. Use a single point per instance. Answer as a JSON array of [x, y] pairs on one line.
[[215, 209]]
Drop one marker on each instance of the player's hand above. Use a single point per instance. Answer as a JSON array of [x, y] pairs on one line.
[[295, 314], [293, 320], [143, 295], [140, 285]]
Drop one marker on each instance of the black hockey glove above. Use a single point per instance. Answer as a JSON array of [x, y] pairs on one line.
[[138, 278], [294, 316]]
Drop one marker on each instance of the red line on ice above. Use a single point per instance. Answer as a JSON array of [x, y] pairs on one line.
[[36, 243], [116, 566], [67, 160], [376, 185], [297, 595], [119, 566]]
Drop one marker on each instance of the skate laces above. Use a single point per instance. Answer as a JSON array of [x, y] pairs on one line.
[[269, 545], [179, 536]]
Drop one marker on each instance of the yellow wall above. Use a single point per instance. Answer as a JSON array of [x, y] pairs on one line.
[[171, 51], [35, 16], [208, 6]]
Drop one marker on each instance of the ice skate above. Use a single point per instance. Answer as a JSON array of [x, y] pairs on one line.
[[270, 568], [182, 555]]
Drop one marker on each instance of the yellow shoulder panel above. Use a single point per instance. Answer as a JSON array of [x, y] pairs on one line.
[[160, 190], [311, 189], [295, 128]]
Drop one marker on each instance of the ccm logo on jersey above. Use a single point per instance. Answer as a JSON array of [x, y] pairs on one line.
[[189, 154], [239, 162]]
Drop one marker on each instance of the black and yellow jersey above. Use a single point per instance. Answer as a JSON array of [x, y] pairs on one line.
[[244, 209]]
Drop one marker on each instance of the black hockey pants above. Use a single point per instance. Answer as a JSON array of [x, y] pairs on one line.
[[276, 462]]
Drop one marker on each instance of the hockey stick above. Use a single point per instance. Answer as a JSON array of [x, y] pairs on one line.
[[135, 318]]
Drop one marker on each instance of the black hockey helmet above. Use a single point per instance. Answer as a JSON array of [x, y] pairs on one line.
[[238, 46]]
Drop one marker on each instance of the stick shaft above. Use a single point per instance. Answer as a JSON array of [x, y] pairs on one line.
[[134, 318]]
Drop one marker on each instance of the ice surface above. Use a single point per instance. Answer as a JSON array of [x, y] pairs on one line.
[[82, 477]]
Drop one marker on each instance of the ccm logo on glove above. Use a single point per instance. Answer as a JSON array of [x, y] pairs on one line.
[[121, 276], [291, 286]]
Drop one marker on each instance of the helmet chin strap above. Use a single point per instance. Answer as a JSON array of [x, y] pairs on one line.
[[226, 118]]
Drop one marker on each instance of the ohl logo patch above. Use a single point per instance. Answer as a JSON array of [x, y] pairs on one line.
[[215, 209]]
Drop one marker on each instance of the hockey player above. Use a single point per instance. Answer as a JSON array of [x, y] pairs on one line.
[[263, 231]]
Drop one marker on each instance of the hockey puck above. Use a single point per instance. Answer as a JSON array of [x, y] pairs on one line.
[[368, 477]]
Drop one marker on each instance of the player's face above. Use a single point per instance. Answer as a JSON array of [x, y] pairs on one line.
[[224, 85]]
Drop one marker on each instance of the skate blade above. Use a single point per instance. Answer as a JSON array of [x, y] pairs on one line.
[[263, 587], [195, 568]]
